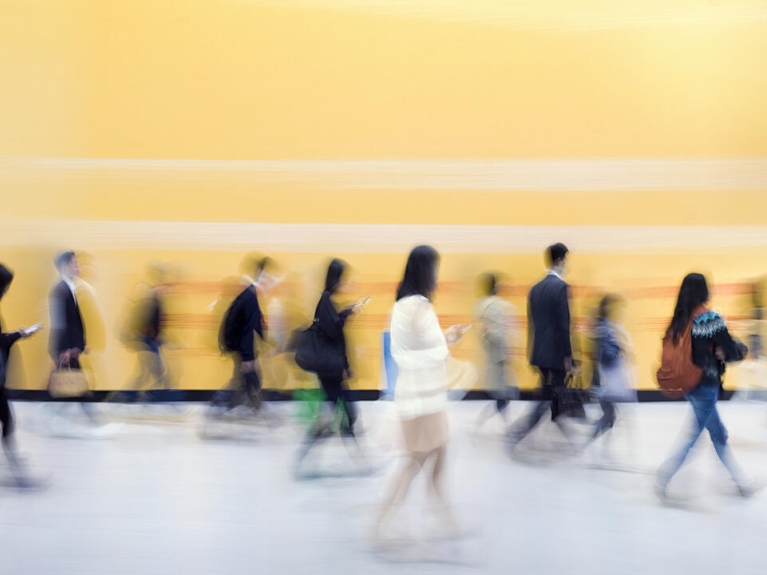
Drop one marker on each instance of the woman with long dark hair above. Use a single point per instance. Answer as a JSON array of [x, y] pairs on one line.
[[6, 415], [420, 349], [712, 348], [330, 322]]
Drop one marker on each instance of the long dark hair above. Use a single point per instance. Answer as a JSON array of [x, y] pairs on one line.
[[693, 293], [420, 273], [6, 277], [336, 271]]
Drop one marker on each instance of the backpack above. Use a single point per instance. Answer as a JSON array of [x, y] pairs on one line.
[[677, 372]]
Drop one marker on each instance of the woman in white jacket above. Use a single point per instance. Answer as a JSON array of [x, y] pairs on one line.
[[420, 350]]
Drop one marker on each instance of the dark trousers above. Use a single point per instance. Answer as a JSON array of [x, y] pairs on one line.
[[607, 421], [245, 387], [552, 381], [335, 392], [6, 415]]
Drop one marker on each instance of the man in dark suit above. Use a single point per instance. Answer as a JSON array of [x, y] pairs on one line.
[[67, 339], [549, 348]]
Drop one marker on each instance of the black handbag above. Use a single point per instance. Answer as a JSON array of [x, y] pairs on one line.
[[315, 352], [571, 398]]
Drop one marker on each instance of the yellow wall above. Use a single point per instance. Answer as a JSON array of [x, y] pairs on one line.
[[299, 80]]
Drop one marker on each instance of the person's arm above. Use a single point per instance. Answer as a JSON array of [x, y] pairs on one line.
[[563, 325], [258, 321], [8, 339], [530, 330], [727, 348], [330, 320], [57, 325]]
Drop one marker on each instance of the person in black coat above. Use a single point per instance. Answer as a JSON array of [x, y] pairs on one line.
[[242, 321], [331, 322], [7, 339], [67, 337], [549, 347]]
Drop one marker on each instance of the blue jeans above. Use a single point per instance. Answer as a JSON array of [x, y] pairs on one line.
[[703, 400]]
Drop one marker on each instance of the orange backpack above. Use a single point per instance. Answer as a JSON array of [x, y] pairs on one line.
[[678, 374]]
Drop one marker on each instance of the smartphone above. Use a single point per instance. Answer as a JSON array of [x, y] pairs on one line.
[[34, 329]]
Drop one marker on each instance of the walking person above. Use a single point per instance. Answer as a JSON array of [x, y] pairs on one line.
[[329, 321], [420, 350], [494, 315], [7, 339], [242, 321], [67, 337], [145, 333], [549, 346], [712, 348], [613, 353]]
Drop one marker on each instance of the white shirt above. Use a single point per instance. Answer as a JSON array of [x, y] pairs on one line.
[[71, 285], [556, 273], [420, 351]]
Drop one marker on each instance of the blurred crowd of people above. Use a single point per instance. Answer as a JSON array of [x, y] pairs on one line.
[[418, 375]]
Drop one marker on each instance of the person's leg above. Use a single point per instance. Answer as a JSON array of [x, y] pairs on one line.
[[321, 428], [607, 421], [719, 436], [520, 430], [252, 384], [350, 409], [400, 487], [558, 388], [9, 442], [144, 383], [502, 400], [237, 383], [86, 407], [703, 402], [6, 419], [154, 370]]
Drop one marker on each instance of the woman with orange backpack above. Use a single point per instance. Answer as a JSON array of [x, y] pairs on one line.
[[696, 348]]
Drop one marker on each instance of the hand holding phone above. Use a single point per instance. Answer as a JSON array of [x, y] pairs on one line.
[[360, 304], [455, 332], [31, 330]]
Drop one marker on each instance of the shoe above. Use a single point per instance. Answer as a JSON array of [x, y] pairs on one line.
[[28, 484], [749, 489]]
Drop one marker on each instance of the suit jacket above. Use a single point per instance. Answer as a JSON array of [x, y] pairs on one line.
[[246, 319], [548, 321], [67, 328]]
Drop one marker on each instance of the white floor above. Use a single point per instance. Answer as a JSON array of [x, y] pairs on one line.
[[155, 498]]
